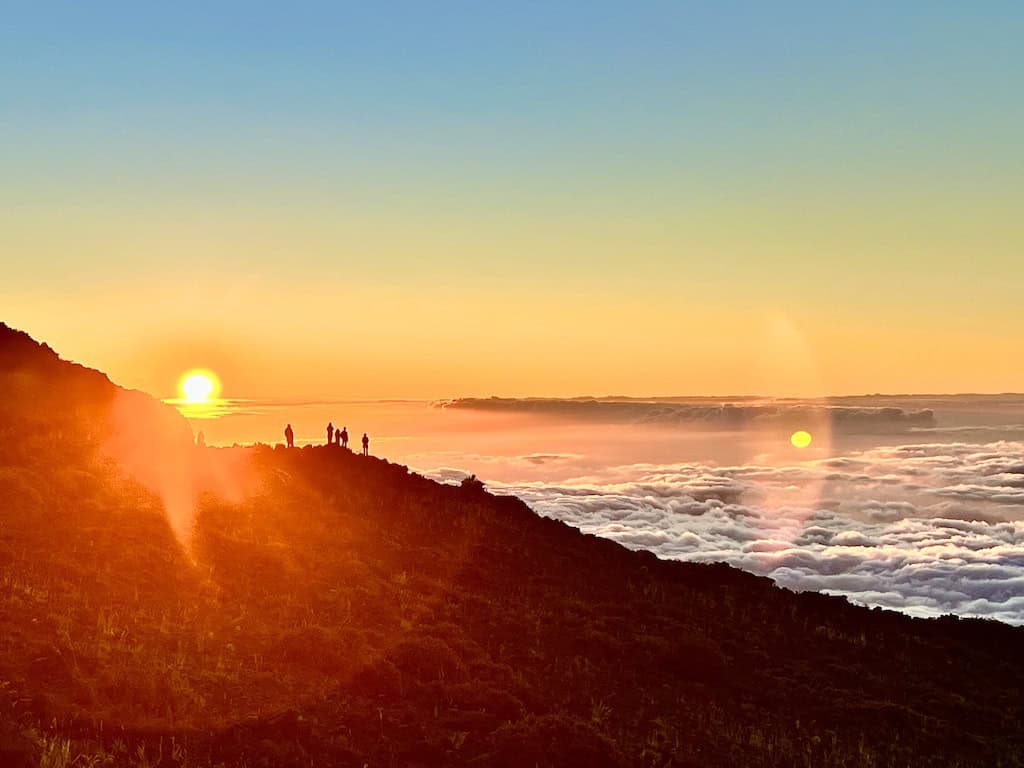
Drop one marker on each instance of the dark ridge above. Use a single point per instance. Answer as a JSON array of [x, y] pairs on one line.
[[74, 404], [331, 609]]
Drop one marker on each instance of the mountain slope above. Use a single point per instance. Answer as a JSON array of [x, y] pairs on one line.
[[163, 604]]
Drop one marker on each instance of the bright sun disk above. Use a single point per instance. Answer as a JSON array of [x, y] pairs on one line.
[[198, 386]]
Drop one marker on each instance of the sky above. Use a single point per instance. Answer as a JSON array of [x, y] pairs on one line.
[[454, 199]]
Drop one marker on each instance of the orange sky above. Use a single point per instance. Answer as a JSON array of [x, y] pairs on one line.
[[288, 341]]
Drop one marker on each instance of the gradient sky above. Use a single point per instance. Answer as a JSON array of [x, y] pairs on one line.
[[442, 199]]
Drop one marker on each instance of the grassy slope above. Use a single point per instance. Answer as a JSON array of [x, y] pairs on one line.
[[334, 609]]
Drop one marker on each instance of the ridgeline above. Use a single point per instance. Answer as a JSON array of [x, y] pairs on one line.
[[162, 604]]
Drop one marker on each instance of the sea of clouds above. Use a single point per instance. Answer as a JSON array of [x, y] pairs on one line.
[[927, 529], [914, 503]]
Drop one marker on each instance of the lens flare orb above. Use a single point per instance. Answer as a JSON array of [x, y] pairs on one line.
[[800, 439]]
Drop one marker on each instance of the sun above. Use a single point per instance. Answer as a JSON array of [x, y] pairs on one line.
[[800, 439], [199, 386]]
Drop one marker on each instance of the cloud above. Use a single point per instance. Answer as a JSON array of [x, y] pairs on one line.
[[926, 529]]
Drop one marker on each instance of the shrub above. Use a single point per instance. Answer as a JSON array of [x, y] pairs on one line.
[[426, 659], [328, 651], [380, 678], [553, 741], [482, 697]]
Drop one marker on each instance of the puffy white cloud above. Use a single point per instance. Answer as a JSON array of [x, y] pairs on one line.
[[926, 529]]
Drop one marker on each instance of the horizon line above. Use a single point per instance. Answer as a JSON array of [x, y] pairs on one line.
[[274, 401]]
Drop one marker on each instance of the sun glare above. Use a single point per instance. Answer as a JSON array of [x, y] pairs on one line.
[[199, 386], [800, 439]]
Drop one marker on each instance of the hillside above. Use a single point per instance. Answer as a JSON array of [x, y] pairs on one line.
[[162, 604]]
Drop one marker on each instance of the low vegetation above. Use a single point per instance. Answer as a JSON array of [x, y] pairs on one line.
[[324, 608]]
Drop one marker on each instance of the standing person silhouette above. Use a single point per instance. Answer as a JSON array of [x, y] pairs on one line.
[[366, 445], [289, 436], [330, 433], [343, 437]]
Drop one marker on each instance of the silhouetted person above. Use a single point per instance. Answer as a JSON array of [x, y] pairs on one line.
[[201, 439], [289, 436], [343, 437], [366, 445], [330, 433], [472, 483]]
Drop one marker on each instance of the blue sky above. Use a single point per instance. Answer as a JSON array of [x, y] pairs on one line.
[[863, 157]]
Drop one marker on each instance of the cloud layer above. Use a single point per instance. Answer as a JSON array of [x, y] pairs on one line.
[[926, 529], [743, 413]]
